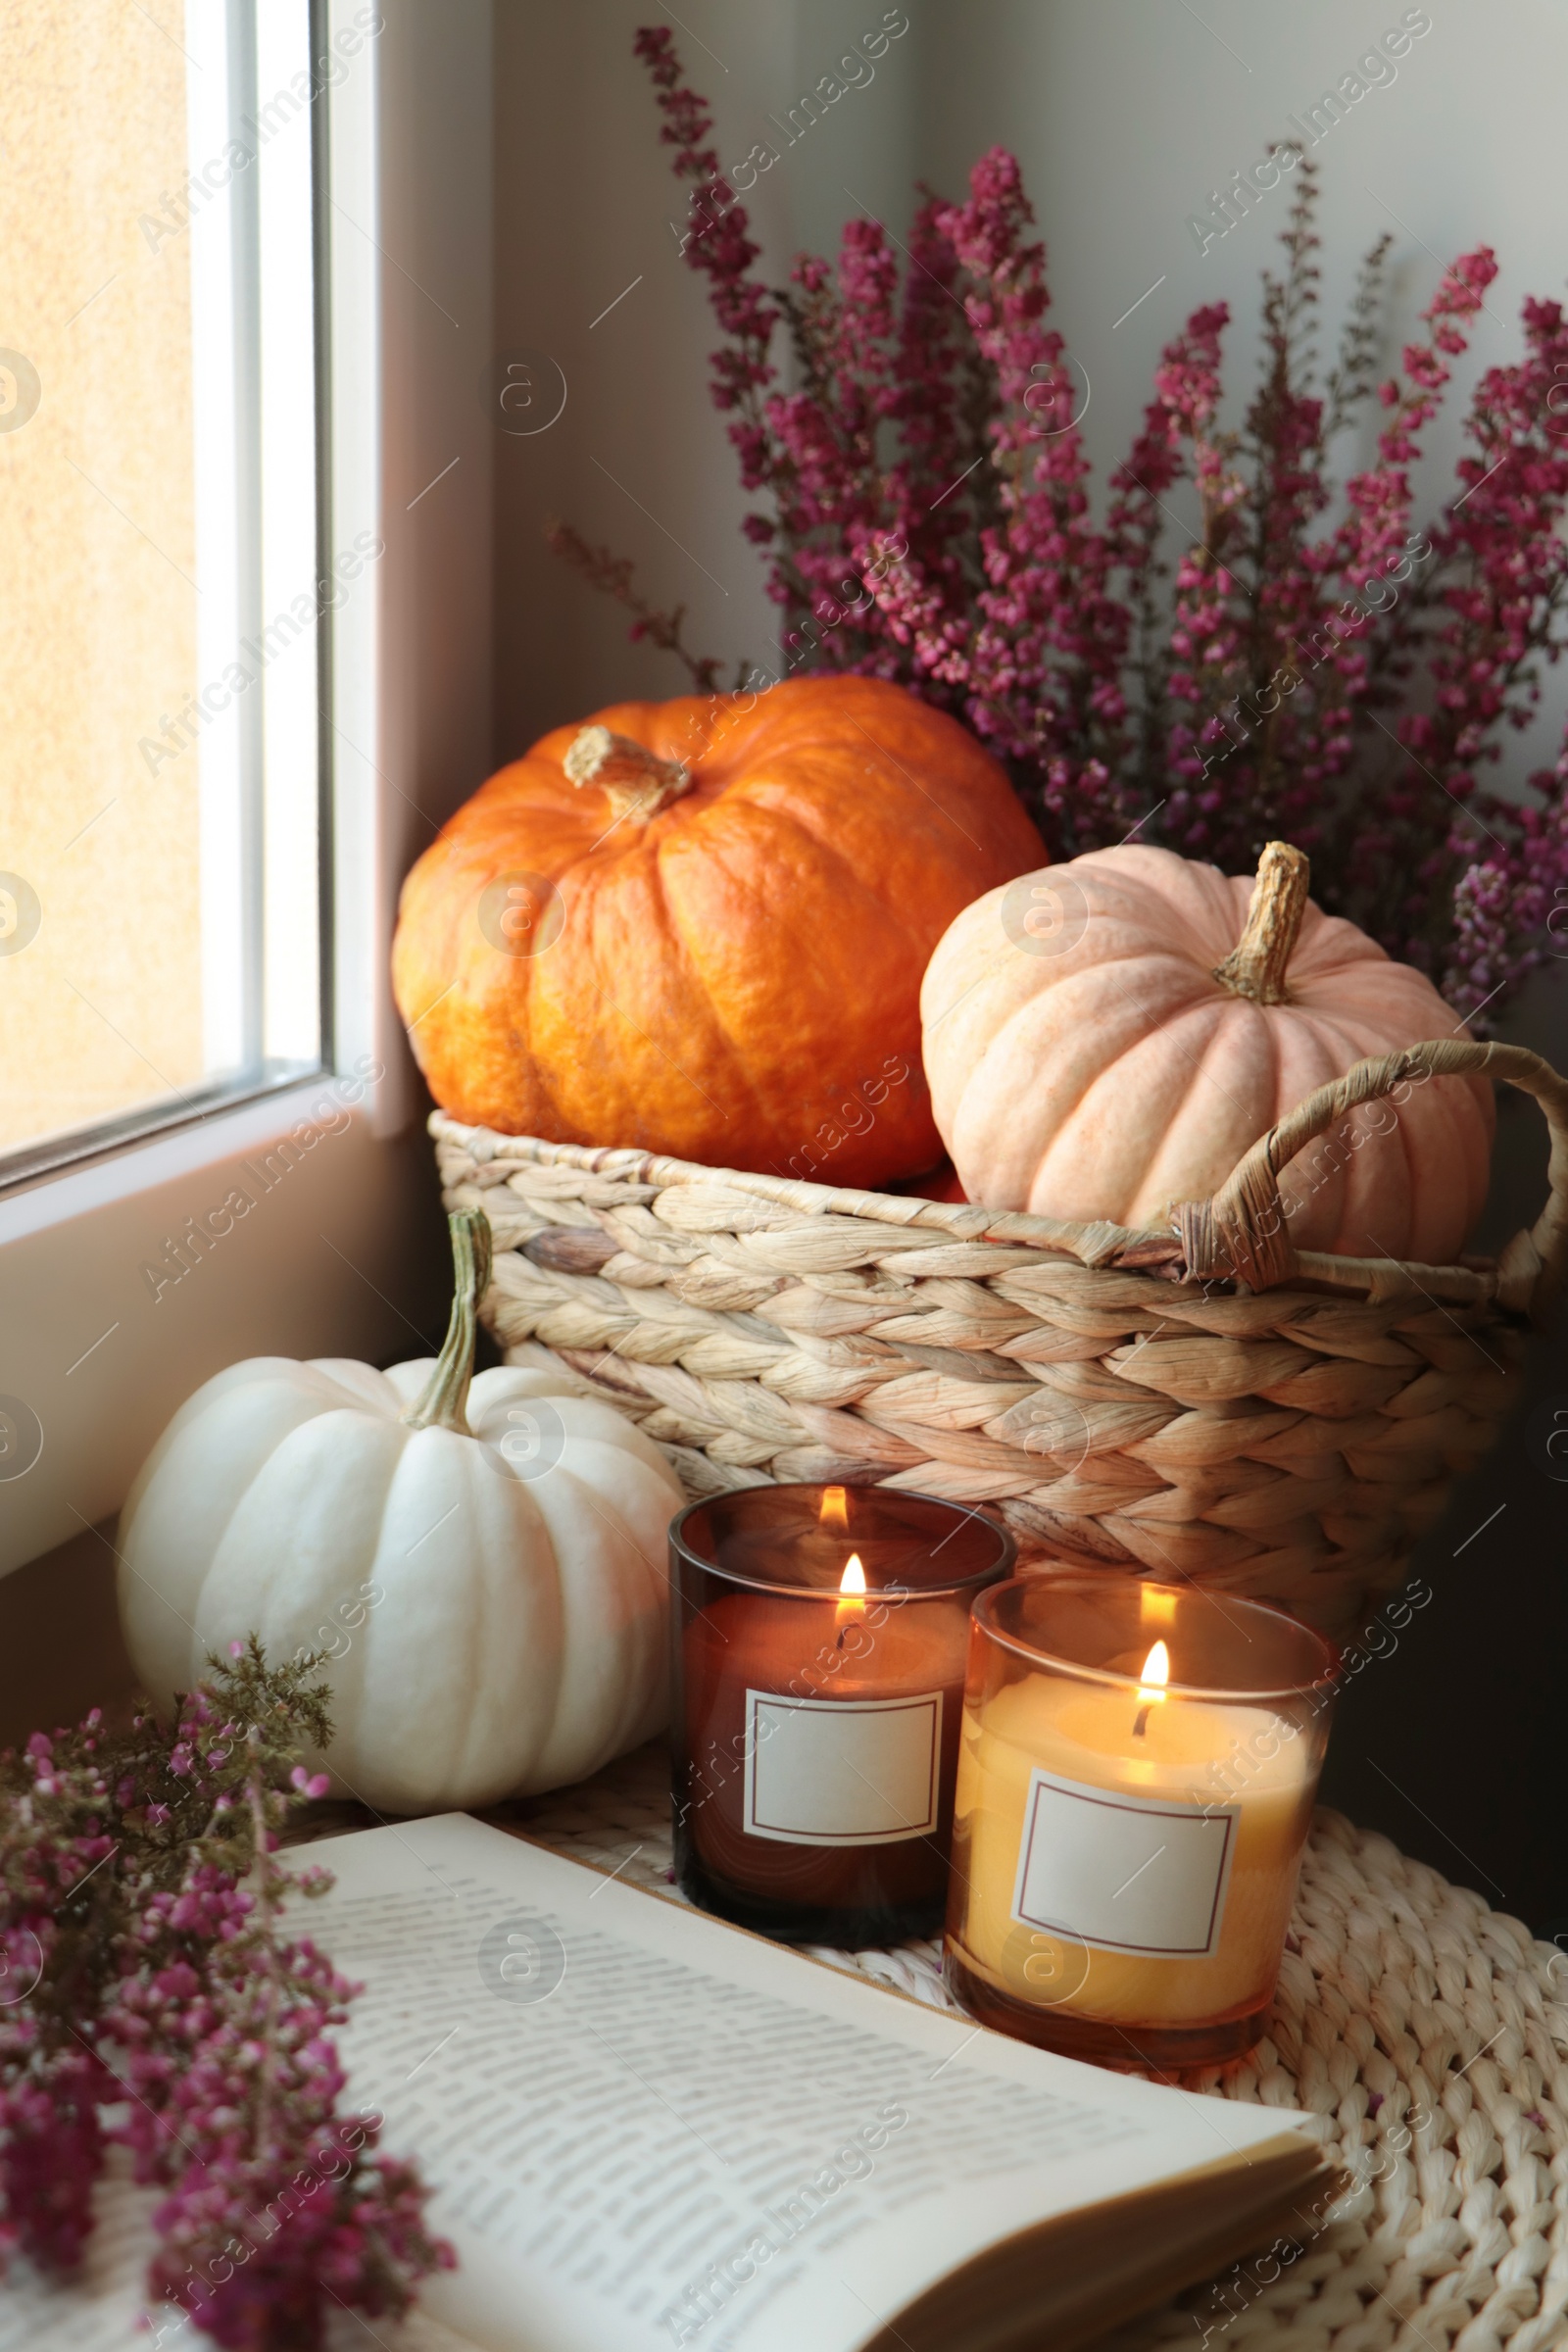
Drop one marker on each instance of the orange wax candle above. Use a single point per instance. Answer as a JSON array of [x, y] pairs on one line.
[[820, 1649], [1135, 1785]]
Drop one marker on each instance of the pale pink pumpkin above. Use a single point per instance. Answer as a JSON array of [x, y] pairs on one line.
[[1106, 1038]]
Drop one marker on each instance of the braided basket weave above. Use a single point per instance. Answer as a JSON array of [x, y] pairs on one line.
[[1200, 1402]]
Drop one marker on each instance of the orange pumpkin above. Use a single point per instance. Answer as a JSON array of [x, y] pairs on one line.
[[700, 928], [1109, 1038]]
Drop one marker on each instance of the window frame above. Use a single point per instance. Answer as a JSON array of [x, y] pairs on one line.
[[338, 1258]]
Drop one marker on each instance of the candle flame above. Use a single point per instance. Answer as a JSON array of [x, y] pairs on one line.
[[835, 1510], [1155, 1674], [852, 1597]]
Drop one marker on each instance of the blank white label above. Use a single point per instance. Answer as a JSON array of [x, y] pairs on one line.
[[1130, 1873], [842, 1771]]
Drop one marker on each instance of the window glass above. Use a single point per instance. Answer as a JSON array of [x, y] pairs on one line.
[[158, 893]]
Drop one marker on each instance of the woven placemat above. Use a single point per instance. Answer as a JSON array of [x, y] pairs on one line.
[[1426, 2033]]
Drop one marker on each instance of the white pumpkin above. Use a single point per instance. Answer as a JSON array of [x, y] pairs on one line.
[[490, 1582]]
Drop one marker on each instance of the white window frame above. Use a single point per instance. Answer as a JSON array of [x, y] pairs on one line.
[[97, 1348]]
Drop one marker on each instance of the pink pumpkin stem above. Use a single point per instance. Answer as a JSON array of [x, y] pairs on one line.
[[1256, 965]]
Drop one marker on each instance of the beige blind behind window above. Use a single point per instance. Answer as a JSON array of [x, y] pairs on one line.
[[100, 910]]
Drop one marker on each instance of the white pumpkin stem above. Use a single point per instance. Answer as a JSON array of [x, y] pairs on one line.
[[635, 780], [444, 1404], [1256, 965]]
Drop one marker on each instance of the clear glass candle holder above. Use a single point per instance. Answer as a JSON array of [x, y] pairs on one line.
[[820, 1640], [1136, 1778]]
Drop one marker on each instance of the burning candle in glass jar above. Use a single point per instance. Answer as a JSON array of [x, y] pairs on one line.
[[819, 1650], [1130, 1814]]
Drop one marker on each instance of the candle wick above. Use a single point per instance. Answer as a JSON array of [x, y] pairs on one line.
[[839, 1644], [1141, 1726]]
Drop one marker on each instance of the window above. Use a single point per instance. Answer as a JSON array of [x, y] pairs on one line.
[[265, 391], [160, 841]]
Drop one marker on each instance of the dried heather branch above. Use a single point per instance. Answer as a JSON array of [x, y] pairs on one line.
[[155, 1972], [613, 576], [1354, 378]]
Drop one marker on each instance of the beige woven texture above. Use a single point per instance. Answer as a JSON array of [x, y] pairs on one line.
[[1425, 2033], [1287, 1443]]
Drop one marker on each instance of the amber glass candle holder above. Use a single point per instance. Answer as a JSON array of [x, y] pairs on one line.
[[1136, 1780], [820, 1640]]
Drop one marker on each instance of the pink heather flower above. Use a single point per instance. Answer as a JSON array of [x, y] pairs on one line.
[[51, 2148], [1196, 654], [168, 2011]]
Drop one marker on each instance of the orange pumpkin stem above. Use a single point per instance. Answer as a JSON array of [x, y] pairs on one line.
[[634, 779], [1256, 965]]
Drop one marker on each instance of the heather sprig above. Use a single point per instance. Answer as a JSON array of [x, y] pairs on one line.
[[1202, 655], [611, 575], [157, 2002]]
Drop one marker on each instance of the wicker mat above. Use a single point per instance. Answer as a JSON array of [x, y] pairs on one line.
[[1426, 2033]]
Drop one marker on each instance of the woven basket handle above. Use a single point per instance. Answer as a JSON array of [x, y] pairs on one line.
[[1242, 1231]]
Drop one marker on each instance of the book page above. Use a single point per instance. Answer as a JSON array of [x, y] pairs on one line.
[[650, 2129]]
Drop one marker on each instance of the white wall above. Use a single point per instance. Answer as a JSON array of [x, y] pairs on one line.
[[584, 200]]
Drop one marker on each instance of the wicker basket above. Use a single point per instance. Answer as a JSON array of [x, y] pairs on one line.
[[1199, 1402]]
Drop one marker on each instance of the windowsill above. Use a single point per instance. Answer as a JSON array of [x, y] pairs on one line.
[[33, 1163], [113, 1168], [286, 1226], [45, 1680]]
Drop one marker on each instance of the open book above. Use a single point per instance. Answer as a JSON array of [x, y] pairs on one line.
[[651, 2130]]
